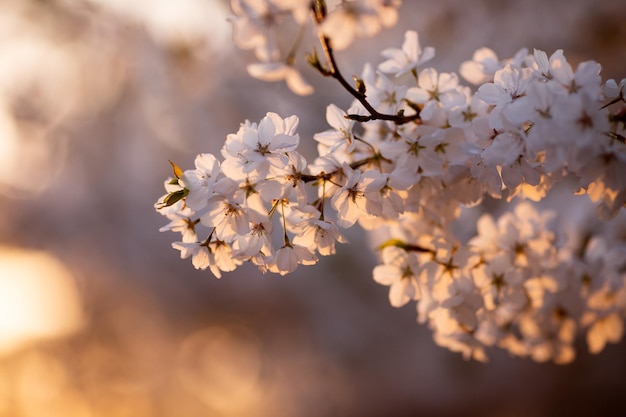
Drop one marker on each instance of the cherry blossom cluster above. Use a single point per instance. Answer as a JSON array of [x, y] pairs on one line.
[[253, 206], [522, 284], [412, 152]]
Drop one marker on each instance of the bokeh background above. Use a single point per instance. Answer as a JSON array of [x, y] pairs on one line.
[[98, 315]]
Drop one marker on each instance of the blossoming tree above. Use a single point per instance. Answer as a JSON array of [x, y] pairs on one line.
[[405, 160]]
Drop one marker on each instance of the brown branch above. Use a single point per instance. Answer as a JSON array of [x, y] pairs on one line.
[[334, 72], [319, 13]]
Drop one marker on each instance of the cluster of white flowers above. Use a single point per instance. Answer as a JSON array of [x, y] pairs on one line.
[[416, 146]]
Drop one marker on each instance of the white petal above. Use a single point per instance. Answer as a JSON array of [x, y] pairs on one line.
[[386, 274], [297, 83]]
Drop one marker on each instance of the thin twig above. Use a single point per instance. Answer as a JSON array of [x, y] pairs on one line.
[[319, 13], [374, 114]]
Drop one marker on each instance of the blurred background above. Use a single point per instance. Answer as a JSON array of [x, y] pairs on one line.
[[100, 317]]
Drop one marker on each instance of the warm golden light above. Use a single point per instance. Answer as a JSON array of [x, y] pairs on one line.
[[180, 21], [221, 366], [38, 299]]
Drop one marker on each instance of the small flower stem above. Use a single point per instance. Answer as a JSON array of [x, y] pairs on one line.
[[285, 236], [326, 176], [208, 239], [291, 57], [616, 136], [323, 202]]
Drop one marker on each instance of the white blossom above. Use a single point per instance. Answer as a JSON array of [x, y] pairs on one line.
[[519, 280], [400, 272], [351, 19], [407, 59], [280, 71]]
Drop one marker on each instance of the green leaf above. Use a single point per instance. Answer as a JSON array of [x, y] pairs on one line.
[[405, 246], [174, 197], [177, 171], [392, 242]]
